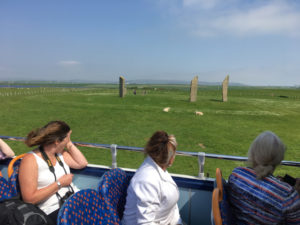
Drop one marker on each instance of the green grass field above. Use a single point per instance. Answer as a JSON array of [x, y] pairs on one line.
[[96, 114]]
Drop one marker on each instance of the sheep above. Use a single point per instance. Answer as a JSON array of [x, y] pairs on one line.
[[199, 113], [167, 109]]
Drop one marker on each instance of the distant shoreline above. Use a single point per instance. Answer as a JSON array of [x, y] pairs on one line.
[[129, 83]]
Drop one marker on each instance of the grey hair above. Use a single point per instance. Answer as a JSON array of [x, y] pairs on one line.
[[265, 153]]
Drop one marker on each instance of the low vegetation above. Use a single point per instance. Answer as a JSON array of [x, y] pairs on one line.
[[97, 115]]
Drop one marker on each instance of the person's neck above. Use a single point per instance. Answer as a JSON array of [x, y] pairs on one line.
[[50, 150], [164, 168]]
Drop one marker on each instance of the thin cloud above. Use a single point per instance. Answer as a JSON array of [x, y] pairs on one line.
[[204, 4], [269, 19], [69, 63], [239, 17]]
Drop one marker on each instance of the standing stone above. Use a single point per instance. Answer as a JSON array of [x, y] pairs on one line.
[[225, 88], [193, 90], [122, 89]]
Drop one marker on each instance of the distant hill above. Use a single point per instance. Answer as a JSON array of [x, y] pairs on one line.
[[149, 81], [137, 81]]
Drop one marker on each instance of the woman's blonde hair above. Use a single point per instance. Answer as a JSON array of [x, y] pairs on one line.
[[48, 134], [265, 153], [161, 147]]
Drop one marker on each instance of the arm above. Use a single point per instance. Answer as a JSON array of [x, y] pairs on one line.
[[292, 208], [297, 185], [147, 202], [73, 157], [8, 152], [177, 218], [28, 175]]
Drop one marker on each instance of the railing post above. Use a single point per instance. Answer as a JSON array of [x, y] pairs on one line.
[[113, 149], [201, 161]]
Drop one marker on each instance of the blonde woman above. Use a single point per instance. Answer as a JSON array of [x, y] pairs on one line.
[[152, 194]]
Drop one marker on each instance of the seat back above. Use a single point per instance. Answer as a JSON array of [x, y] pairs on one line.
[[81, 208], [220, 182], [113, 191], [5, 190], [217, 219], [13, 173], [224, 206]]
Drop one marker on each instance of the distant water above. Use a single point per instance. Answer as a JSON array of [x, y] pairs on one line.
[[34, 86], [17, 86]]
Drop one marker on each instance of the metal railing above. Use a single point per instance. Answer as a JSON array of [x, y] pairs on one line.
[[200, 155]]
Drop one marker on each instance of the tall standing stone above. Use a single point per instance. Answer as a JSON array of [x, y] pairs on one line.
[[122, 89], [194, 88], [225, 88]]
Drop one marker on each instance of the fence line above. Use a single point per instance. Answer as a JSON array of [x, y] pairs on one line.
[[39, 91]]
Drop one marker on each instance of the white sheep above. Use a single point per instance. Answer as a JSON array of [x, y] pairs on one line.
[[167, 109], [199, 113]]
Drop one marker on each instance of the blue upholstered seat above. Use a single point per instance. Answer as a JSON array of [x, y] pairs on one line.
[[5, 190], [13, 174], [113, 190], [14, 178], [81, 208], [225, 209]]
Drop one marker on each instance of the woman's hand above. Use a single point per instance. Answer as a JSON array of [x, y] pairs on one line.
[[66, 180], [297, 185], [69, 142], [73, 157]]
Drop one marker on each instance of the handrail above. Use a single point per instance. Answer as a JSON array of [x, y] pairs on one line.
[[200, 155]]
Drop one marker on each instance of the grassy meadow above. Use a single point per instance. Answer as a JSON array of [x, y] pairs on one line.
[[97, 115]]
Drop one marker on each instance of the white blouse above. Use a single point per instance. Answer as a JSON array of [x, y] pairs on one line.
[[46, 177], [151, 197]]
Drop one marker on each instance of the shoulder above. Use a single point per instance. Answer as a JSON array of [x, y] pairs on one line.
[[145, 175], [242, 171], [145, 171], [29, 156], [244, 175], [282, 188], [28, 160], [145, 186]]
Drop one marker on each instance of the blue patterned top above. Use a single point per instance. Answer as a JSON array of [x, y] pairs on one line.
[[266, 201]]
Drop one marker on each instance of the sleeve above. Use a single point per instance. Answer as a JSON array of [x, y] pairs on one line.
[[292, 211], [148, 202], [177, 219]]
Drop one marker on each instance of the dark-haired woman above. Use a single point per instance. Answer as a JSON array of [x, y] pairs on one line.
[[152, 194], [41, 186]]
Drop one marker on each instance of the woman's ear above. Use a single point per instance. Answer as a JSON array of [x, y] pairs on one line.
[[56, 142]]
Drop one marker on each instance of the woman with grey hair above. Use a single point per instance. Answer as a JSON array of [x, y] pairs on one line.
[[265, 153], [255, 195], [152, 194]]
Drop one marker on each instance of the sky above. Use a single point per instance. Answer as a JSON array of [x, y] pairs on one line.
[[256, 42]]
